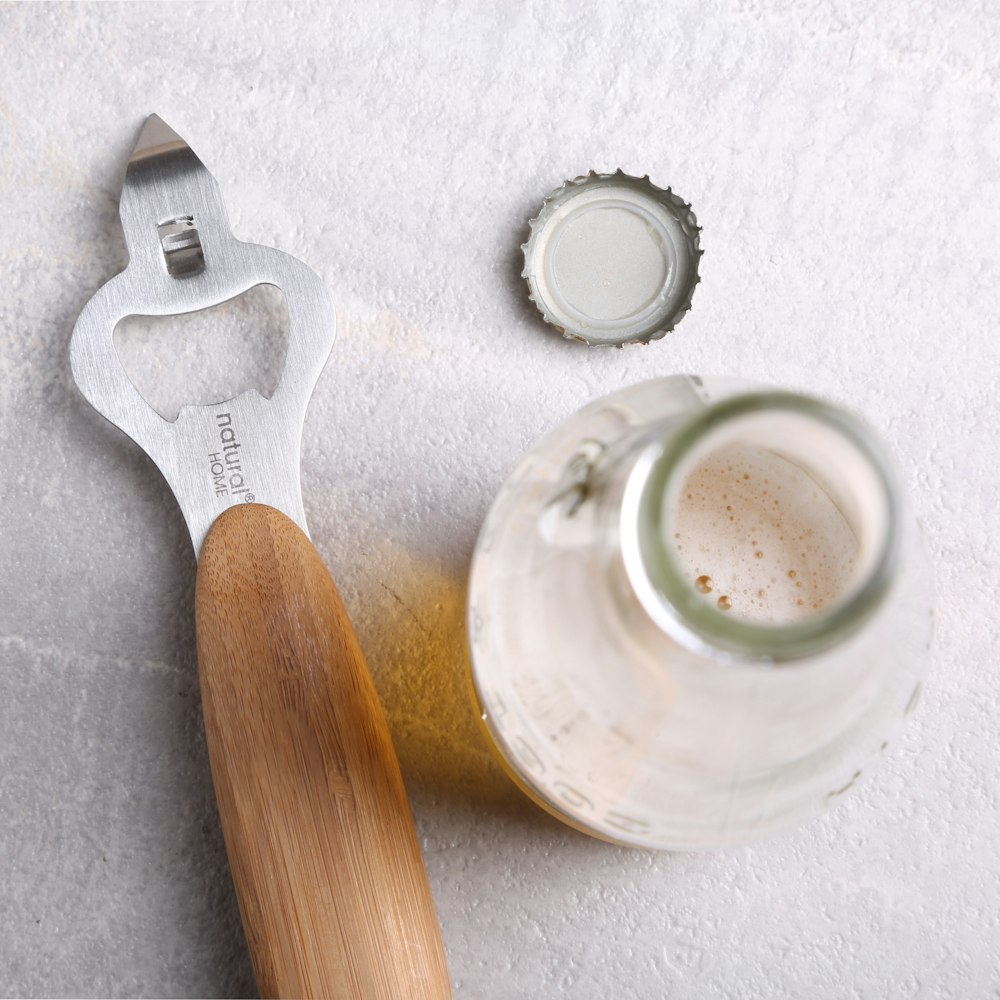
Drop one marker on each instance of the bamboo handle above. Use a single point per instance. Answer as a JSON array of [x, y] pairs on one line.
[[328, 871]]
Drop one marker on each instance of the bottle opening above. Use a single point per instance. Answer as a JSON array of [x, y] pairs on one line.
[[767, 526]]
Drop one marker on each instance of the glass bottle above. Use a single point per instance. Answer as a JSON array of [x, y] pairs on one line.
[[697, 613]]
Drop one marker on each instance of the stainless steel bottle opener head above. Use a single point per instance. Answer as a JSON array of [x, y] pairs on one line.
[[183, 257]]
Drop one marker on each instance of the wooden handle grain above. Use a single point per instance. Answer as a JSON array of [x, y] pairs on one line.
[[328, 871]]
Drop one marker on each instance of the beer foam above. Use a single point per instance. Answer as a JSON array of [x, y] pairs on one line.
[[758, 538]]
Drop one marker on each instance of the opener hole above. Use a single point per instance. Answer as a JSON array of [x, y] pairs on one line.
[[208, 356]]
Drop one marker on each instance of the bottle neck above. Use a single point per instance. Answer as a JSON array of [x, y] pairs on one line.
[[766, 527]]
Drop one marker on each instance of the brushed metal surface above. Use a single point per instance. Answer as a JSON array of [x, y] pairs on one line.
[[244, 449]]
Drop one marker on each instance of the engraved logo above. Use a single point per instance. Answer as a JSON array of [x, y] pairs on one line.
[[226, 464]]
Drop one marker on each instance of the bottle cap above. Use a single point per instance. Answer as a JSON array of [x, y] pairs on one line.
[[612, 259]]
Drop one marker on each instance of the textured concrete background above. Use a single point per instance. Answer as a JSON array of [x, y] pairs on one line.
[[842, 158]]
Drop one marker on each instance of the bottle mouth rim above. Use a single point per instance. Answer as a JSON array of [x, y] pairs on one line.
[[669, 597]]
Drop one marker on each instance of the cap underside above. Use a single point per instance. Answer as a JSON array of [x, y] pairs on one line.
[[610, 261]]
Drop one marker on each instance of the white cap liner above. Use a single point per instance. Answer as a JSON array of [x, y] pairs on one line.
[[612, 259]]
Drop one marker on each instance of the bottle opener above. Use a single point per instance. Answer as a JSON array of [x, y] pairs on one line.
[[325, 859]]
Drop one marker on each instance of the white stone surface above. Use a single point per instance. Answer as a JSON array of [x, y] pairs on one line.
[[842, 158]]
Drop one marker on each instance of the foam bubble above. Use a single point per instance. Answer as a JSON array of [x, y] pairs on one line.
[[774, 561]]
